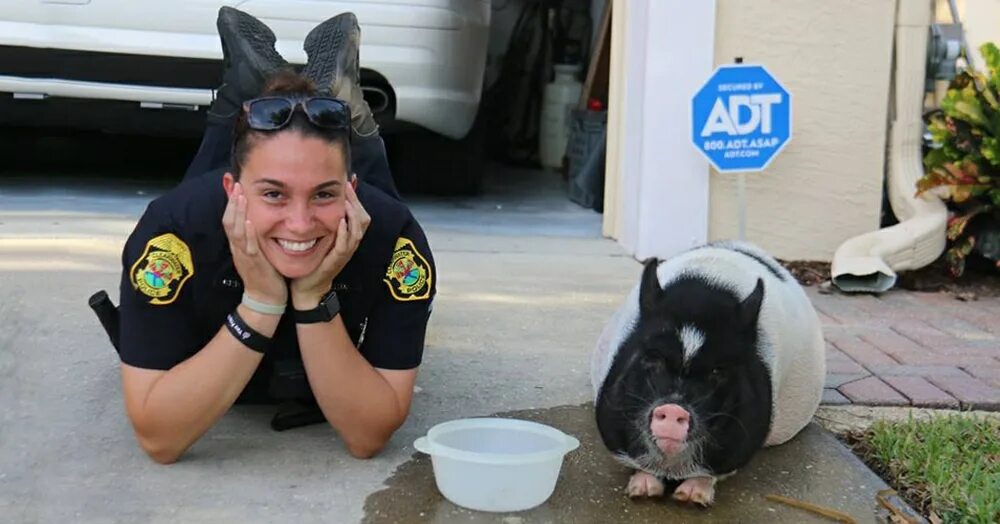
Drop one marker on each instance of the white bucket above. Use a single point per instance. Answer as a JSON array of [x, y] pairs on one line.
[[495, 464], [558, 98]]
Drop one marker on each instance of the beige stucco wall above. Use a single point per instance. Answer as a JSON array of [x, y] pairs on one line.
[[825, 186], [981, 19]]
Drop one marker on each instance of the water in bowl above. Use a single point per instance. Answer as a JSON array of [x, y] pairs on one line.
[[495, 440]]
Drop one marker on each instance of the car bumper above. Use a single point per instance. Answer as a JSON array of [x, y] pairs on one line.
[[432, 56]]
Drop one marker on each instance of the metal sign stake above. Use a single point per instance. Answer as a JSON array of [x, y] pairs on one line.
[[741, 193]]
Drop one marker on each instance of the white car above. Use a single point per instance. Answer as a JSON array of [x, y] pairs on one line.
[[152, 65]]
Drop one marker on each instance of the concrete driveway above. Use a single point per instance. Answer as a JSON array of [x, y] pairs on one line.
[[526, 283], [508, 265]]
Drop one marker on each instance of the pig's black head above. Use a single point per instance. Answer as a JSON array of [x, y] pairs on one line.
[[694, 346]]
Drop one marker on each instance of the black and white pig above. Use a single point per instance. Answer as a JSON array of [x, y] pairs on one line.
[[716, 353]]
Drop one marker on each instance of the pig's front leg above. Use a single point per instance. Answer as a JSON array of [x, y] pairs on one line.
[[700, 490], [642, 484]]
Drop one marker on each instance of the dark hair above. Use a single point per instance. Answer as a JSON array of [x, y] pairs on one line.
[[285, 82]]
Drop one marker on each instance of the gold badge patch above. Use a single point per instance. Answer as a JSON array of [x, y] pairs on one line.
[[162, 269], [409, 275]]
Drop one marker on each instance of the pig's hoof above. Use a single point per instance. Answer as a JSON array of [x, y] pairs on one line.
[[643, 484], [699, 490]]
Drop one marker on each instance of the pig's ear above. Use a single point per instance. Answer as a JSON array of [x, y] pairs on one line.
[[749, 309], [649, 289]]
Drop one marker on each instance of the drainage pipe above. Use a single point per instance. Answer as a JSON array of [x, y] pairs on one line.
[[868, 263]]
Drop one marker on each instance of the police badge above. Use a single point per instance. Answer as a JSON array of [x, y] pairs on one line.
[[409, 275], [162, 269]]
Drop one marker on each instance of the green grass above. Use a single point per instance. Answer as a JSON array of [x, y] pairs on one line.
[[947, 465]]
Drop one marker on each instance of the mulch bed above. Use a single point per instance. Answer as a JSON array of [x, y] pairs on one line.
[[981, 279], [808, 272]]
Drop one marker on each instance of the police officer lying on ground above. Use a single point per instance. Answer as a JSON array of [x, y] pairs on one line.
[[271, 274]]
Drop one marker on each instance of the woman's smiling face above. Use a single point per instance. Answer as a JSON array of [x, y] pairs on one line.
[[295, 191]]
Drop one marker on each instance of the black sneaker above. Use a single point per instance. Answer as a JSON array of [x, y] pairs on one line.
[[249, 57], [333, 65], [332, 51]]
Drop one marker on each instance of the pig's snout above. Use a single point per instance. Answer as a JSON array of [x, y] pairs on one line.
[[669, 425], [670, 421]]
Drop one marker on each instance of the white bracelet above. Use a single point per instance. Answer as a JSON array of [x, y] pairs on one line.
[[262, 308]]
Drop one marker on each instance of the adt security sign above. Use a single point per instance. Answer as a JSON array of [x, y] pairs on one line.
[[741, 118]]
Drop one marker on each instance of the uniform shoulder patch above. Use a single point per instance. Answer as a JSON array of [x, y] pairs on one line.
[[163, 268], [409, 275]]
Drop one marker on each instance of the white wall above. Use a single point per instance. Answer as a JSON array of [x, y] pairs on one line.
[[981, 19], [657, 181]]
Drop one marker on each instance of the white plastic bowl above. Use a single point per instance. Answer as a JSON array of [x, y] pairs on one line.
[[496, 464]]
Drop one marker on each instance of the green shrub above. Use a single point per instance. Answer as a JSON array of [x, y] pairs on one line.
[[965, 161]]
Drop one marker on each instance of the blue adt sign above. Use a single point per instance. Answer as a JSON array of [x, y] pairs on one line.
[[741, 118]]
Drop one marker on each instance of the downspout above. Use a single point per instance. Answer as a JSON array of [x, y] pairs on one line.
[[868, 263]]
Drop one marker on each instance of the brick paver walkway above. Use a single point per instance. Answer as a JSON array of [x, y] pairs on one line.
[[905, 348]]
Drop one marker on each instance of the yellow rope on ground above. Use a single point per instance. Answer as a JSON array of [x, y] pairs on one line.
[[813, 508]]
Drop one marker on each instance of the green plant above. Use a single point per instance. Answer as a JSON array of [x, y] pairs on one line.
[[965, 160], [948, 465]]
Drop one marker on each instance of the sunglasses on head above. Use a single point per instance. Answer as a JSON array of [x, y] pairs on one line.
[[270, 113]]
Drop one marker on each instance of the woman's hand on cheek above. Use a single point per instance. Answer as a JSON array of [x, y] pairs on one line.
[[308, 290], [260, 280]]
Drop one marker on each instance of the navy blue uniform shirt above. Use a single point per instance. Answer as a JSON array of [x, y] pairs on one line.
[[179, 283]]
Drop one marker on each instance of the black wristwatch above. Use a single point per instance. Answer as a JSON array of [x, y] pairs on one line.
[[328, 308]]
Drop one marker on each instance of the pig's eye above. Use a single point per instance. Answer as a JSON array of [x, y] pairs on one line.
[[653, 363]]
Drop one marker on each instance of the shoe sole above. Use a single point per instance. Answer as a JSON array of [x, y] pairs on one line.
[[254, 40], [326, 64]]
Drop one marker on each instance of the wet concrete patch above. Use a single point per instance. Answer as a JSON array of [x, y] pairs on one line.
[[813, 467]]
